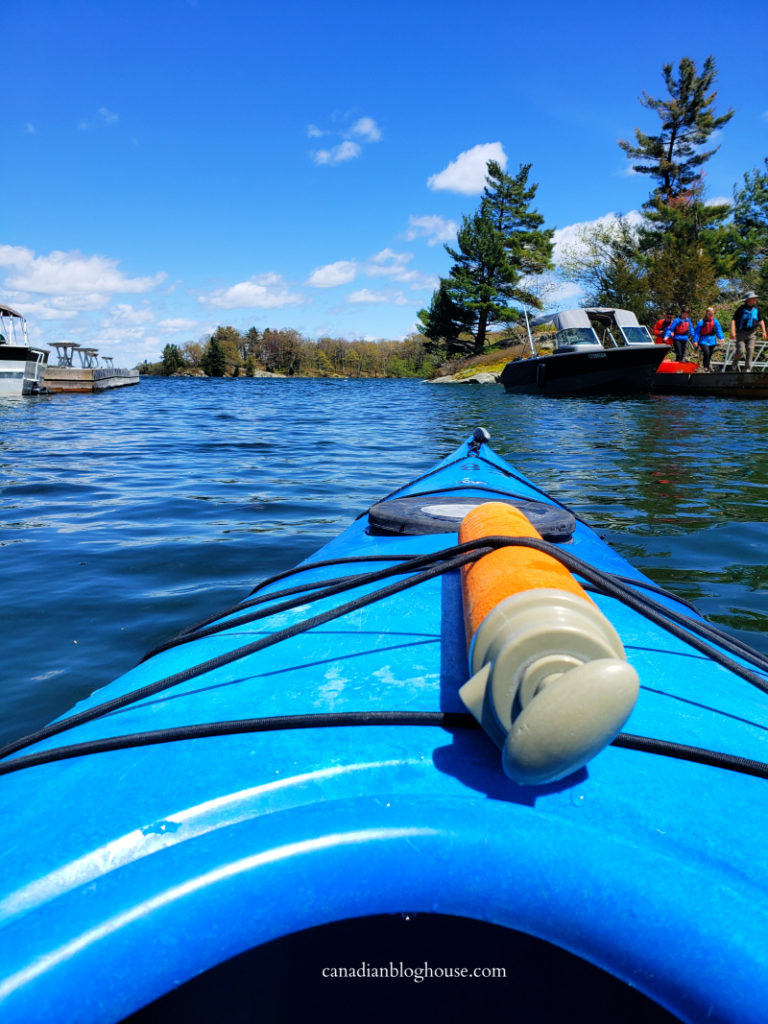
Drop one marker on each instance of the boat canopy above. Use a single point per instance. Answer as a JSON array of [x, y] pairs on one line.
[[570, 318], [9, 311]]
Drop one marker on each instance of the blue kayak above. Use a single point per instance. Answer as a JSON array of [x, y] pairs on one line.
[[295, 807]]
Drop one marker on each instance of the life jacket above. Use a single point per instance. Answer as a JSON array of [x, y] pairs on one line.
[[683, 327], [707, 327], [660, 327], [749, 318]]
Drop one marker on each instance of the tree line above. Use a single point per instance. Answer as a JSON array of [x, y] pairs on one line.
[[229, 352], [682, 250]]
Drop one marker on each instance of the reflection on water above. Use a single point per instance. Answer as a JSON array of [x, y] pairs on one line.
[[130, 514]]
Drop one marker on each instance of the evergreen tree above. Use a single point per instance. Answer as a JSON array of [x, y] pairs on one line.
[[685, 241], [214, 361], [497, 247], [674, 157], [444, 322], [750, 219], [172, 360], [507, 201], [680, 274]]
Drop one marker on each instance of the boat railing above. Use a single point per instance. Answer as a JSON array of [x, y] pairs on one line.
[[724, 358]]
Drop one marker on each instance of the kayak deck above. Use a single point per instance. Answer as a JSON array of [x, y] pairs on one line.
[[649, 867]]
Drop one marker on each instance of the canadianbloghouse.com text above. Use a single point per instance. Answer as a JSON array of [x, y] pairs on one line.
[[423, 972]]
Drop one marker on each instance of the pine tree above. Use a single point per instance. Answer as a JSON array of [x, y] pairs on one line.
[[500, 245], [507, 200], [674, 157], [214, 361], [750, 219], [172, 360], [444, 321], [685, 241]]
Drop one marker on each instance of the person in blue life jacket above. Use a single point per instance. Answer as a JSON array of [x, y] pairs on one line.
[[706, 335], [680, 331], [744, 326]]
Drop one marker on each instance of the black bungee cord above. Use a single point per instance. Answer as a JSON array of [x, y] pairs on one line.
[[688, 630]]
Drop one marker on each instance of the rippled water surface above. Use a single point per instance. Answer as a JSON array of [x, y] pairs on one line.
[[128, 515]]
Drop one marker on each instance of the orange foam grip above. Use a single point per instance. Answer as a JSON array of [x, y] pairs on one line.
[[505, 571]]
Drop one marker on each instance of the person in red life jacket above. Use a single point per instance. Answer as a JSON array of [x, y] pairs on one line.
[[660, 327], [706, 335], [744, 326], [680, 331]]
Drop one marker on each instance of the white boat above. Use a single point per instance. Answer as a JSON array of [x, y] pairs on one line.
[[22, 367]]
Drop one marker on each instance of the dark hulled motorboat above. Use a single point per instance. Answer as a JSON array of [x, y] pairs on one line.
[[597, 351]]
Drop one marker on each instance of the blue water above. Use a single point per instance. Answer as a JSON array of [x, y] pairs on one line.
[[130, 514]]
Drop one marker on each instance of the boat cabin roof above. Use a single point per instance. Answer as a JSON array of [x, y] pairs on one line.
[[9, 311], [569, 318]]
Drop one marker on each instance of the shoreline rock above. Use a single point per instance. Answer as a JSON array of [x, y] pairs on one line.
[[476, 378]]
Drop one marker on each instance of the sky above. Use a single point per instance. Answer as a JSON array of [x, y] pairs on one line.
[[174, 165]]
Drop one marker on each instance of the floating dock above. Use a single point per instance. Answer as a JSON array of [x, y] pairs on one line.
[[76, 378], [89, 376]]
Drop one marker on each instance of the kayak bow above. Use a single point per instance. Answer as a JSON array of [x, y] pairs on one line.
[[304, 764]]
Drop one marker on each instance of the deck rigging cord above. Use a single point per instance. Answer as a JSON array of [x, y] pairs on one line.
[[277, 723], [699, 635]]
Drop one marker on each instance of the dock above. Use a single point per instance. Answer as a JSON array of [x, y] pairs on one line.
[[724, 380], [89, 376], [722, 384]]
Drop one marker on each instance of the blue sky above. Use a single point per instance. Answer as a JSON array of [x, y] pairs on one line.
[[177, 164]]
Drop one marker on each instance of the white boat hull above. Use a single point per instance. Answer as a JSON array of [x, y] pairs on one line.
[[21, 372]]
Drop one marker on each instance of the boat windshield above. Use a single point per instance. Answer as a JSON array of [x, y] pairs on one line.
[[636, 335], [577, 336]]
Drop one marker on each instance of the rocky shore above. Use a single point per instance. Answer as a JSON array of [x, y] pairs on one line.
[[475, 378]]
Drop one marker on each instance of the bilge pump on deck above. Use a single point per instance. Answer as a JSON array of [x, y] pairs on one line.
[[550, 681]]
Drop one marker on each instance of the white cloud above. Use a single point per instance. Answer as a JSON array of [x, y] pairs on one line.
[[338, 154], [178, 323], [562, 293], [570, 237], [364, 130], [394, 265], [719, 201], [103, 116], [389, 263], [365, 295], [262, 291], [333, 274], [466, 174], [123, 314], [434, 228], [70, 274], [367, 129], [43, 310]]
